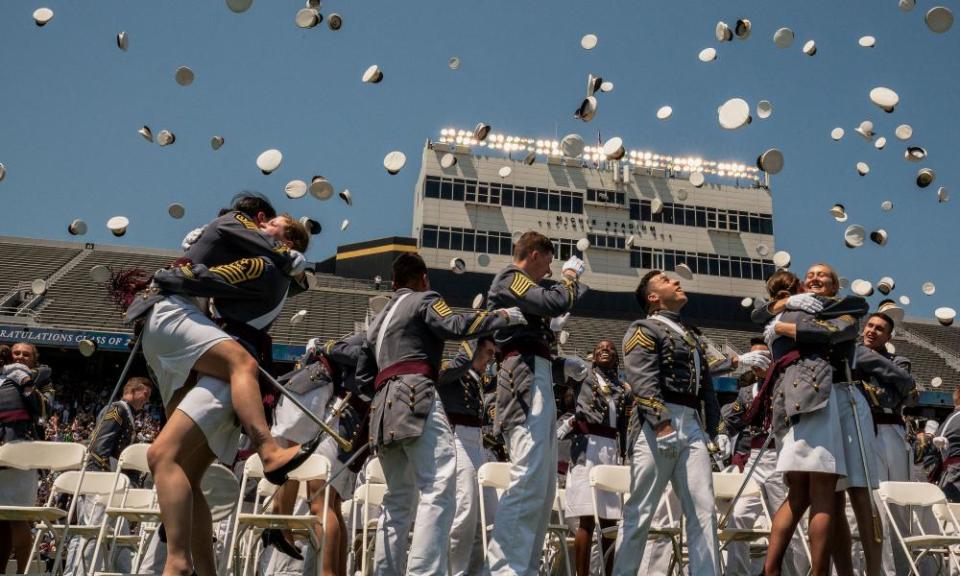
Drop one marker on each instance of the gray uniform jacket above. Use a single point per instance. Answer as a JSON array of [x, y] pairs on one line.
[[245, 270], [512, 287], [949, 464], [594, 399], [733, 417], [113, 432], [416, 333], [23, 408], [659, 362], [826, 347], [885, 380], [461, 388]]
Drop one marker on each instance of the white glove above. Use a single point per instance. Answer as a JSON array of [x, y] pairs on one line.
[[769, 332], [930, 427], [667, 444], [941, 443], [298, 264], [804, 302], [312, 345], [18, 373], [513, 315], [574, 264], [564, 427], [725, 446], [574, 368], [191, 237], [756, 359], [557, 324]]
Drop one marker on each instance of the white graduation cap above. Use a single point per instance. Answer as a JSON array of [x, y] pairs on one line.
[[656, 205], [453, 63], [146, 133], [42, 15], [764, 109], [839, 212], [321, 188], [613, 148], [723, 32], [867, 41], [904, 300], [880, 143], [861, 287], [886, 285], [481, 131], [394, 161], [307, 18], [879, 237], [781, 259], [166, 138], [907, 5], [118, 225], [184, 76], [176, 210], [664, 112], [915, 153], [334, 21], [771, 161], [312, 226], [77, 228], [865, 129], [269, 160], [344, 224], [572, 145], [836, 133], [504, 171], [863, 168], [346, 196], [588, 42], [734, 114], [783, 37], [943, 195], [448, 160], [945, 315], [216, 142], [583, 244], [38, 286], [697, 179], [477, 301], [929, 288], [3, 171], [810, 48], [707, 54], [903, 132], [925, 177], [683, 271], [87, 347], [885, 98], [372, 75], [458, 265], [239, 6], [100, 273], [295, 189], [587, 109], [886, 205], [890, 308], [747, 302], [298, 317], [123, 41], [742, 28], [854, 236], [939, 19], [606, 86]]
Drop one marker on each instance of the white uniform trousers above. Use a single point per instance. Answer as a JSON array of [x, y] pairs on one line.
[[748, 509], [690, 473], [90, 510], [523, 513], [466, 544], [425, 466]]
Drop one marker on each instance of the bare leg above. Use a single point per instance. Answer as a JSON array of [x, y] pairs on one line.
[[169, 457], [842, 540], [230, 362], [284, 500], [822, 512], [785, 520], [582, 544], [201, 541], [334, 544], [860, 501]]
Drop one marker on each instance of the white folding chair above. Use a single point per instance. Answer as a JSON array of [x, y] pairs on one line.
[[559, 531], [918, 496], [725, 487], [616, 479], [494, 475], [316, 467], [53, 456], [89, 486], [368, 494], [134, 505], [221, 489]]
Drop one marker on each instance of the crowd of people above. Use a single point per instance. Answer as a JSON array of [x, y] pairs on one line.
[[818, 420]]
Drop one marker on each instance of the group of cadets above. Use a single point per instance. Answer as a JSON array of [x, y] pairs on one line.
[[810, 392]]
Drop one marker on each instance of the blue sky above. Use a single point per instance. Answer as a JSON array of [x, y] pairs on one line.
[[71, 103]]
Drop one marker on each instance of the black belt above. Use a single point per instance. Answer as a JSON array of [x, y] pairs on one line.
[[682, 398], [464, 420], [887, 418]]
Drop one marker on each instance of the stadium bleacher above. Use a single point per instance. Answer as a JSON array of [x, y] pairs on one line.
[[335, 305]]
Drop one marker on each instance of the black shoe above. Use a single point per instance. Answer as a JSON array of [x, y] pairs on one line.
[[162, 534], [273, 537], [279, 476]]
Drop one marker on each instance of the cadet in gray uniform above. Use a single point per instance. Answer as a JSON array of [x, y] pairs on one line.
[[598, 424], [947, 443], [408, 425], [526, 409], [114, 431], [667, 370], [461, 385], [888, 386]]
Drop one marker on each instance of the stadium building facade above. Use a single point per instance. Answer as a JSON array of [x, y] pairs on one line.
[[638, 213]]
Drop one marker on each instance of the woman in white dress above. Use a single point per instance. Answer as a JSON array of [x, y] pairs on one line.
[[596, 428]]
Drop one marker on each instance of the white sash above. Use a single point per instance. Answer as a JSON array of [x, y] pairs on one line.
[[386, 322], [683, 334]]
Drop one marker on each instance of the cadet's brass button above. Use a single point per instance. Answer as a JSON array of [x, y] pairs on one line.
[[389, 403], [816, 387], [796, 406]]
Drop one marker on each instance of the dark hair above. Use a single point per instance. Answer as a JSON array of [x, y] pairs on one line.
[[886, 318], [782, 284], [408, 268], [137, 383], [6, 355], [532, 241], [757, 341], [251, 204], [483, 339], [641, 292], [748, 378]]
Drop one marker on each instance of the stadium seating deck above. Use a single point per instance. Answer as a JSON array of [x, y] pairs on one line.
[[335, 305]]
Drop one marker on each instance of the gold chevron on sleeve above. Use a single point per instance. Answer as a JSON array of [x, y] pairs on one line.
[[520, 284], [187, 271], [473, 328], [246, 221], [240, 271], [441, 308], [639, 338]]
